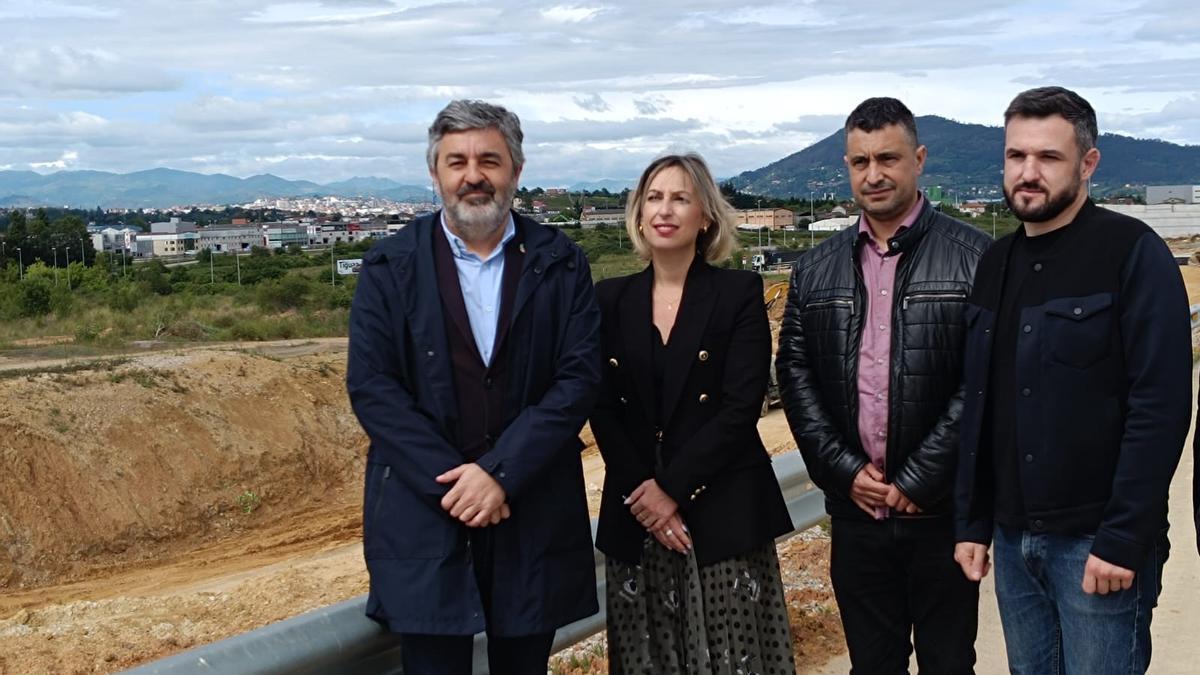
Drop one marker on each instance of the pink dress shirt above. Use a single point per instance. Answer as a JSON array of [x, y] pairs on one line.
[[874, 355]]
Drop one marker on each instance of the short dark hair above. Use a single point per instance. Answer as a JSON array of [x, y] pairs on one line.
[[876, 113], [1049, 101]]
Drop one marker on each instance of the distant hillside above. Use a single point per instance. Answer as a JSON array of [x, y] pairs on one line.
[[968, 158], [159, 188], [610, 184]]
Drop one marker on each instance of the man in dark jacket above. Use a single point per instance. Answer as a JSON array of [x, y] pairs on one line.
[[474, 361], [869, 365], [1078, 383]]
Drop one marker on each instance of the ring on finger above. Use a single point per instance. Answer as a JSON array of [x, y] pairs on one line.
[[670, 532]]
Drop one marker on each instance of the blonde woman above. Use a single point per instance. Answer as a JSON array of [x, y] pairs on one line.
[[691, 506]]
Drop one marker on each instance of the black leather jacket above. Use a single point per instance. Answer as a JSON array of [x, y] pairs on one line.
[[817, 362]]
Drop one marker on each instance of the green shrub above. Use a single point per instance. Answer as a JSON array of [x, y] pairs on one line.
[[35, 297]]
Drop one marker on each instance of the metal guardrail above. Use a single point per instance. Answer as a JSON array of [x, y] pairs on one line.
[[341, 639]]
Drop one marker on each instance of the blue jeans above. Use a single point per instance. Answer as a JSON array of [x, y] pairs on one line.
[[1051, 626]]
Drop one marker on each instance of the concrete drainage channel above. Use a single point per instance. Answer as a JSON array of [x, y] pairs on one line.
[[341, 639]]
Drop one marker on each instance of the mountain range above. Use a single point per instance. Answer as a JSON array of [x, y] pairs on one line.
[[964, 159], [160, 188], [968, 159]]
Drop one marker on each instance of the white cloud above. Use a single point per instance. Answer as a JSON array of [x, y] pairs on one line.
[[565, 14], [327, 89], [65, 161]]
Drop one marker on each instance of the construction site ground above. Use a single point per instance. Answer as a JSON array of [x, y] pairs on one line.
[[169, 497]]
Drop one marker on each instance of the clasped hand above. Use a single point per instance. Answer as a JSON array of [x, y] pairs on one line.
[[869, 491], [476, 499], [659, 514]]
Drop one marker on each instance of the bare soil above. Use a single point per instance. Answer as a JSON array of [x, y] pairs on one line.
[[155, 502]]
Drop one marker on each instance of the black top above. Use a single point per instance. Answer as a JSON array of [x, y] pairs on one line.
[[658, 357], [1024, 286]]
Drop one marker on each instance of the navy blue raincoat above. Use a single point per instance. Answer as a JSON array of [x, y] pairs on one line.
[[401, 387]]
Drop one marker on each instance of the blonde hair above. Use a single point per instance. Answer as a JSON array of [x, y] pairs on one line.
[[716, 241]]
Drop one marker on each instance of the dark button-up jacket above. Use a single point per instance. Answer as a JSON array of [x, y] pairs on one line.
[[1104, 388]]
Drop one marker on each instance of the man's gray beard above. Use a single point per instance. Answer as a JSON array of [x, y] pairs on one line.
[[477, 223]]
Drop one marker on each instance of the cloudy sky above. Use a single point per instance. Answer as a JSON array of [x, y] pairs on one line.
[[326, 90]]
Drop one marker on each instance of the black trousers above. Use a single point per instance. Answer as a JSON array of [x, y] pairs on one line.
[[452, 654], [894, 579]]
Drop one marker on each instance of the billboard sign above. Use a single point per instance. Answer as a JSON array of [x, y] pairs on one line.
[[348, 267]]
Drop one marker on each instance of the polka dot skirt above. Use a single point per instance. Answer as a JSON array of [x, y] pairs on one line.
[[667, 615]]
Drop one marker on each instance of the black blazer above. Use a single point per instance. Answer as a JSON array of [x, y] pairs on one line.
[[713, 462]]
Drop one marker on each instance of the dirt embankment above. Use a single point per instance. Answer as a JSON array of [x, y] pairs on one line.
[[113, 464], [159, 502]]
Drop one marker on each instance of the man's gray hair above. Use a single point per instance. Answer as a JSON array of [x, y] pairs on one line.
[[466, 115]]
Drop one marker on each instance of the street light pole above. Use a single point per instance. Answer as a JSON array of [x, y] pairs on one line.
[[811, 219], [993, 222], [237, 260], [332, 266], [211, 279], [68, 267], [20, 264], [55, 249]]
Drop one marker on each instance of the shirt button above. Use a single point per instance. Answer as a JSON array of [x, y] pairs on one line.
[[1077, 311], [881, 434], [1038, 525], [1037, 267], [1029, 458], [1026, 391], [879, 397], [1027, 328], [882, 327], [883, 291], [879, 361]]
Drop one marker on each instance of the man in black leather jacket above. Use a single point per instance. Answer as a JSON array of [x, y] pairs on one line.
[[870, 370]]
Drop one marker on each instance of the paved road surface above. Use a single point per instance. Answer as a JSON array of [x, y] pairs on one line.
[[1176, 627]]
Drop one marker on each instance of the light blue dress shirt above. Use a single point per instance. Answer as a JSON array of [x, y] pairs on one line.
[[480, 281]]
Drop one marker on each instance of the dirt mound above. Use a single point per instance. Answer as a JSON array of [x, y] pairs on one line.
[[112, 462]]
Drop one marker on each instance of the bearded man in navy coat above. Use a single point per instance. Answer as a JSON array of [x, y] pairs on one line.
[[474, 361]]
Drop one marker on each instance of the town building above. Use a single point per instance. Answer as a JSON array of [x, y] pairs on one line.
[[834, 224], [1168, 220], [1172, 194], [771, 219], [592, 217], [232, 237]]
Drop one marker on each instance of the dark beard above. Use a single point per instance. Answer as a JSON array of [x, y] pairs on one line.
[[1049, 210]]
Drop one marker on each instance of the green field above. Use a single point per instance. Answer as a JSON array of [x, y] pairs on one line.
[[105, 305]]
